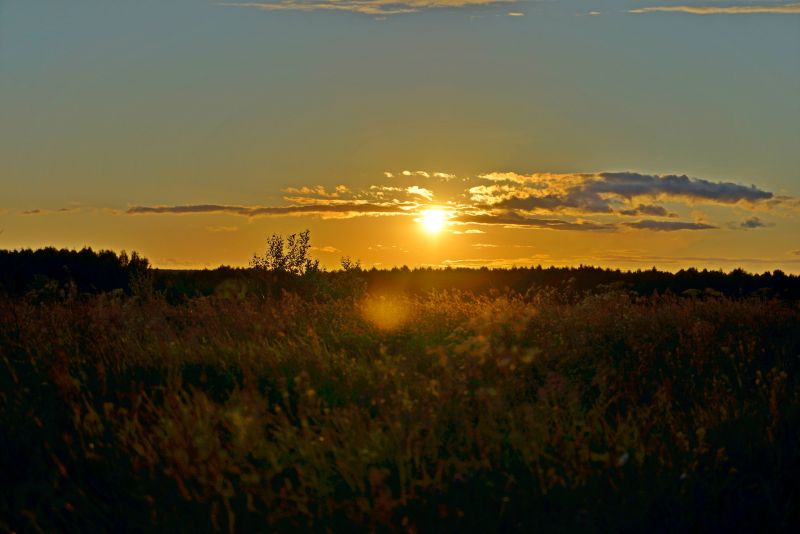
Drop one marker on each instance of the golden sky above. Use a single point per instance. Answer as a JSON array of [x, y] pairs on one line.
[[446, 133]]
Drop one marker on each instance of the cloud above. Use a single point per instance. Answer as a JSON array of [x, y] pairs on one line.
[[445, 176], [420, 191], [484, 245], [365, 7], [668, 226], [318, 190], [222, 228], [380, 189], [648, 209], [778, 9], [753, 222], [515, 14], [505, 177], [423, 174], [343, 209], [603, 201], [327, 249], [630, 184], [511, 219], [39, 211], [604, 192]]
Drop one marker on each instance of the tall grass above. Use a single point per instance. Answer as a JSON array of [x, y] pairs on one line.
[[463, 413]]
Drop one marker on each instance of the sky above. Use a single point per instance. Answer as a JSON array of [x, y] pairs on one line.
[[619, 133]]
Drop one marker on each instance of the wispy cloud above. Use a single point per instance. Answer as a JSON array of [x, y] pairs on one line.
[[318, 190], [668, 226], [45, 211], [753, 222], [511, 219], [438, 175], [365, 7], [777, 9], [328, 249], [343, 209], [420, 191]]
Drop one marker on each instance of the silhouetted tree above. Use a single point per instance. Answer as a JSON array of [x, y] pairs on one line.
[[349, 264], [289, 256], [81, 271]]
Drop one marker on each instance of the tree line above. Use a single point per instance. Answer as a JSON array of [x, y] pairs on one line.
[[286, 266]]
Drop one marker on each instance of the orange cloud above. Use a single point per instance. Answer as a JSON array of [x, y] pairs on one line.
[[365, 7], [779, 9]]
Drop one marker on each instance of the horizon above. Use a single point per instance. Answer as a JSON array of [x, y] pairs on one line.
[[626, 134], [411, 268]]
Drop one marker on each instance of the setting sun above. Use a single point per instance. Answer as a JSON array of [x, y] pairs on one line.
[[433, 221]]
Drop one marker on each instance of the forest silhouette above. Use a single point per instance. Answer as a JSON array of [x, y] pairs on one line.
[[56, 271]]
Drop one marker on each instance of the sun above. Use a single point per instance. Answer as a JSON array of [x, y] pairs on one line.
[[433, 220]]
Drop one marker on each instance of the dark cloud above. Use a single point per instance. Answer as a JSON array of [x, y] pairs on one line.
[[603, 192], [648, 209], [753, 222], [343, 208], [577, 199], [668, 226], [513, 219], [46, 211], [631, 184]]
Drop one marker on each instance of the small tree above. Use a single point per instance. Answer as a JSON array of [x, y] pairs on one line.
[[348, 264], [289, 256]]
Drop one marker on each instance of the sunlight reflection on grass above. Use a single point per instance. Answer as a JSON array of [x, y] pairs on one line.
[[387, 312]]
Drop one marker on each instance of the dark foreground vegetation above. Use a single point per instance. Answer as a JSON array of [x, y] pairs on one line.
[[332, 402]]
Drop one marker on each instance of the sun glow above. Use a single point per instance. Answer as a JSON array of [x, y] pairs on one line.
[[433, 220]]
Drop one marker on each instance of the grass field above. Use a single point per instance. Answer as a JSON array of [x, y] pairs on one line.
[[442, 411]]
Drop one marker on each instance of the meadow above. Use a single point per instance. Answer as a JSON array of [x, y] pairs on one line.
[[397, 411]]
